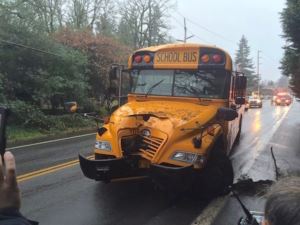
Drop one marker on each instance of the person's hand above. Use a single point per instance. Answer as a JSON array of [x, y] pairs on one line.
[[9, 190]]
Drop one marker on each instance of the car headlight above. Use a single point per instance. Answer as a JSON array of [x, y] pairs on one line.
[[258, 101], [103, 145]]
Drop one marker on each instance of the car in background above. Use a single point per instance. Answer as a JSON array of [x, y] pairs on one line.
[[284, 99], [255, 101]]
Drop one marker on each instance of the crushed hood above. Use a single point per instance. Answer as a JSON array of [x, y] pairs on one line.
[[164, 114]]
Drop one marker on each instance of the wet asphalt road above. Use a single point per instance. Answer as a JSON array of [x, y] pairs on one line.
[[41, 156], [66, 197], [251, 158], [285, 141]]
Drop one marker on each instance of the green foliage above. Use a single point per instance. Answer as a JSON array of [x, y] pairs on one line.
[[290, 18], [2, 95], [28, 115], [52, 51], [64, 122], [45, 74], [101, 52], [290, 64], [245, 64], [18, 133]]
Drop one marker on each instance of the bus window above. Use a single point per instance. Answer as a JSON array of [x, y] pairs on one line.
[[203, 83], [143, 80]]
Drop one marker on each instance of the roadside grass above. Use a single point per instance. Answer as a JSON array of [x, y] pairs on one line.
[[28, 124], [15, 133], [19, 134]]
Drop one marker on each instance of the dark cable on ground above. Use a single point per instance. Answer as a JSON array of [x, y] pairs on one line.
[[275, 164]]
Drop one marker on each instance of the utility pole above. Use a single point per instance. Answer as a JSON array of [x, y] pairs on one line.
[[185, 38], [258, 75], [185, 29]]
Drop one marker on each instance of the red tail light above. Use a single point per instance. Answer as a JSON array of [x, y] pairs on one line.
[[217, 58], [138, 59]]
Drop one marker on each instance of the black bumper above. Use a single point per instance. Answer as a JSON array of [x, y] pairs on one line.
[[255, 105], [108, 169]]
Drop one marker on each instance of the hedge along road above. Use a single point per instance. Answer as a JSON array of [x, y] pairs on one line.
[[65, 196]]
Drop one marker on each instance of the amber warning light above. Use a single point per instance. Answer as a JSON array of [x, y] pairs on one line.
[[139, 59]]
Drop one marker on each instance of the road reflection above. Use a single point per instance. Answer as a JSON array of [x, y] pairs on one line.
[[259, 125], [257, 122]]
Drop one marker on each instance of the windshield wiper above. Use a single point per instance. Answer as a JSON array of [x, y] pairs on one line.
[[153, 86]]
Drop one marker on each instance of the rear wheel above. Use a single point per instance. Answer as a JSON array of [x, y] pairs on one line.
[[238, 136]]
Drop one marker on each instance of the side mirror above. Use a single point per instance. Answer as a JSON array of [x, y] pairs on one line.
[[241, 82], [71, 106], [226, 114], [240, 100], [113, 73]]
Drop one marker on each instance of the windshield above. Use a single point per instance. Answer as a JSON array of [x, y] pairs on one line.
[[185, 83]]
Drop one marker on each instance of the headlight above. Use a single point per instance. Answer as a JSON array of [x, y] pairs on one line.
[[258, 101], [103, 145], [184, 157]]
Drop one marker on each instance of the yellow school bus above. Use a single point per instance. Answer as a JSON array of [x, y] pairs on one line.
[[182, 116]]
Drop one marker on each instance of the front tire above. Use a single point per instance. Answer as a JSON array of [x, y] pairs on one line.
[[238, 136], [218, 174]]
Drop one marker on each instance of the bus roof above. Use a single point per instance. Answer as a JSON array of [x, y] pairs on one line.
[[180, 56], [178, 45]]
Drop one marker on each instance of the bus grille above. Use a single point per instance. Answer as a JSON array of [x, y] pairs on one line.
[[149, 146], [144, 146]]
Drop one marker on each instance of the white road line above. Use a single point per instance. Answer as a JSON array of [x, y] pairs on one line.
[[51, 141]]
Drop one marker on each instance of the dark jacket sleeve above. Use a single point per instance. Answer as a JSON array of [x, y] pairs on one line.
[[14, 217]]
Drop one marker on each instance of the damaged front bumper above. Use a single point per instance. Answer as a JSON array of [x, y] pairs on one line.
[[106, 169], [109, 169]]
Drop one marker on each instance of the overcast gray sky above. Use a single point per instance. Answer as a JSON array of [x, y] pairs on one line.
[[258, 20]]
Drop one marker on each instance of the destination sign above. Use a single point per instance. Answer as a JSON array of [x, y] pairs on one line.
[[190, 57]]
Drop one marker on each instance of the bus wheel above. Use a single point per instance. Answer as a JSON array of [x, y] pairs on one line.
[[238, 136], [218, 174]]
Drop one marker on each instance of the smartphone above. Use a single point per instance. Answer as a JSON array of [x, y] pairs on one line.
[[3, 121]]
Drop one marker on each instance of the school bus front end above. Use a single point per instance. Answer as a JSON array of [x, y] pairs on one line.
[[176, 113]]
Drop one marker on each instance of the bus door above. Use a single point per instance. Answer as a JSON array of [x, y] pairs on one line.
[[119, 85], [236, 102]]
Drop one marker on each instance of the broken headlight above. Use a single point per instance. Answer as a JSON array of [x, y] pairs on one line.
[[103, 145], [188, 157], [184, 157]]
